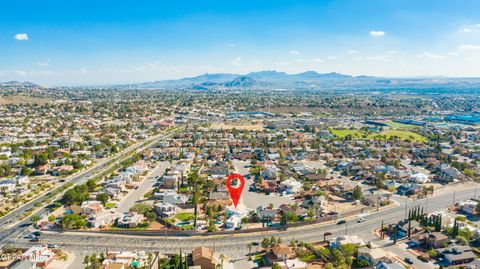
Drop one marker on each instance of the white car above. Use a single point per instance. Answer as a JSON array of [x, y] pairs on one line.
[[361, 220]]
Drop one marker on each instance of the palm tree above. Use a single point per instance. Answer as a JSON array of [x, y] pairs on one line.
[[222, 258], [249, 246], [86, 260]]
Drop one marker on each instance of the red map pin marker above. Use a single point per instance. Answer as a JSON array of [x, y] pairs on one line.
[[235, 192]]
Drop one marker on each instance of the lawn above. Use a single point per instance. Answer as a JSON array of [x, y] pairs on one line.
[[404, 135], [398, 125], [110, 205], [308, 258], [344, 132], [184, 216]]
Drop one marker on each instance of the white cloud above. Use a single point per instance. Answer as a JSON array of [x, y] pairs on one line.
[[300, 61], [464, 49], [20, 73], [377, 33], [351, 52], [468, 47], [318, 60], [294, 52], [21, 36], [428, 55], [237, 61], [391, 52], [231, 45], [332, 57], [44, 63], [470, 28]]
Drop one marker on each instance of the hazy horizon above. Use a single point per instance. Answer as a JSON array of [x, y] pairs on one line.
[[91, 43]]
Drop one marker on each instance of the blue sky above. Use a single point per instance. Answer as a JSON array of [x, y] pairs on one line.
[[99, 42]]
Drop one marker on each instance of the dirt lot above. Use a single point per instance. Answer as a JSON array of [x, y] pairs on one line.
[[19, 99], [238, 126]]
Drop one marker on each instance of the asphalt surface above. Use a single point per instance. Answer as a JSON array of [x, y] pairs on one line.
[[252, 199], [136, 195], [236, 246]]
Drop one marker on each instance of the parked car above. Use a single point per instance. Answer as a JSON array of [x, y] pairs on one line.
[[342, 221], [408, 260], [361, 220], [35, 239]]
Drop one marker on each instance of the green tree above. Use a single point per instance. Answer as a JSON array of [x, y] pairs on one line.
[[91, 185], [357, 193], [34, 219], [276, 266], [102, 197]]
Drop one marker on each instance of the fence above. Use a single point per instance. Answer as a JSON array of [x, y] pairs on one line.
[[193, 232]]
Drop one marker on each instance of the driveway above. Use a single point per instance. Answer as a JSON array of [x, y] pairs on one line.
[[137, 194], [252, 199]]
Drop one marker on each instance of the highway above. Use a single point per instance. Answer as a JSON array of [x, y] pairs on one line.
[[236, 246], [12, 226]]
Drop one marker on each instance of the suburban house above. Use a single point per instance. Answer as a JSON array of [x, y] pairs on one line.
[[282, 252], [41, 255], [101, 219], [448, 173], [456, 255], [291, 186], [171, 197], [91, 207], [419, 178], [203, 257], [165, 210], [130, 220], [437, 239], [372, 256], [170, 181], [468, 206]]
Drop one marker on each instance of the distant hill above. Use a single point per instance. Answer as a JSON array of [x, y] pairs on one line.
[[17, 84], [245, 81], [260, 79], [271, 79]]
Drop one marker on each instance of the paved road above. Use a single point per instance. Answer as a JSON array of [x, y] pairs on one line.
[[254, 199], [11, 227], [137, 195], [235, 246]]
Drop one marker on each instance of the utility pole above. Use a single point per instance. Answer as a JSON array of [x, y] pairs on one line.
[[475, 193], [346, 227], [378, 204], [454, 197], [426, 207], [406, 205]]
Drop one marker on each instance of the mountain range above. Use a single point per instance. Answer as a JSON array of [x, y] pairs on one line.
[[307, 80], [271, 79]]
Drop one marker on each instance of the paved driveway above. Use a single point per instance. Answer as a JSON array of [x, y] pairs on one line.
[[137, 194], [252, 199]]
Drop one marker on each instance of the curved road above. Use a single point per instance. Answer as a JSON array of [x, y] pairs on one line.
[[236, 245]]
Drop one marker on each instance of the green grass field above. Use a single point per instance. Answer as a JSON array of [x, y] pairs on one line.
[[403, 135], [184, 216], [344, 132], [397, 125]]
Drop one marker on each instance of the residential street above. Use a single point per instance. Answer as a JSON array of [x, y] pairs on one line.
[[253, 199], [136, 195]]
